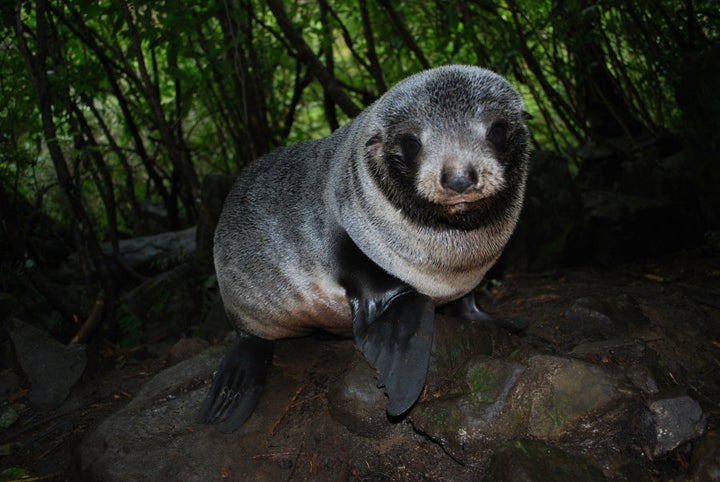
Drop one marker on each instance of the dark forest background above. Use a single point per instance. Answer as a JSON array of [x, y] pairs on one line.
[[123, 119]]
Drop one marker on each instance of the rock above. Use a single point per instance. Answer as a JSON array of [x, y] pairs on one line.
[[141, 252], [557, 393], [615, 349], [356, 402], [8, 415], [592, 315], [289, 436], [186, 348], [51, 367], [133, 444], [9, 383], [628, 353], [705, 463], [675, 418], [642, 377], [151, 249], [179, 378], [627, 309], [456, 341], [533, 461], [604, 319], [466, 419], [547, 398], [128, 445]]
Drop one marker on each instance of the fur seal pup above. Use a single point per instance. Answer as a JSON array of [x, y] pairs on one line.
[[400, 211]]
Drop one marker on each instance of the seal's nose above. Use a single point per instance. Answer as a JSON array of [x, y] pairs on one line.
[[458, 180]]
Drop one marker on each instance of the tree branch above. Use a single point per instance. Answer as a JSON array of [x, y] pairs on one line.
[[306, 55], [404, 33]]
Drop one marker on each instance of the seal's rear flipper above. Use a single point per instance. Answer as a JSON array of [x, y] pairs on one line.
[[238, 383], [397, 344], [467, 309]]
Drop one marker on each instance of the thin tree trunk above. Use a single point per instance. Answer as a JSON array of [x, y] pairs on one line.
[[124, 162], [101, 174], [248, 91], [189, 185], [86, 35], [327, 47], [562, 107], [375, 69], [306, 55], [407, 37]]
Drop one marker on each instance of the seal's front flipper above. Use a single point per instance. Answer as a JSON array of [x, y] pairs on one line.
[[392, 324], [467, 309], [238, 383], [397, 344]]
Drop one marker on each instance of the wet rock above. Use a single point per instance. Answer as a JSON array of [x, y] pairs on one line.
[[290, 435], [591, 315], [627, 309], [628, 353], [533, 461], [179, 377], [456, 341], [51, 367], [642, 377], [705, 463], [605, 318], [675, 418], [356, 402], [616, 349], [133, 443], [466, 419], [557, 393], [545, 397]]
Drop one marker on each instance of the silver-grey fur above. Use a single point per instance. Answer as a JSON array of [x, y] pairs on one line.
[[275, 245]]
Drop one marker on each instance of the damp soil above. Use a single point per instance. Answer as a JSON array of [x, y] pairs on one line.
[[679, 295]]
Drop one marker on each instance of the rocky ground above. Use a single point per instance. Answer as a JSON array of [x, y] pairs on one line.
[[616, 378]]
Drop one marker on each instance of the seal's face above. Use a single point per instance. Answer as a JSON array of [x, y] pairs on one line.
[[451, 150]]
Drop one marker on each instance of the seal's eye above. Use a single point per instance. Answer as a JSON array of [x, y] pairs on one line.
[[410, 146], [498, 134]]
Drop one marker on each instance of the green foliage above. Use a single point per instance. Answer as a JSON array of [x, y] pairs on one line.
[[131, 327], [14, 473]]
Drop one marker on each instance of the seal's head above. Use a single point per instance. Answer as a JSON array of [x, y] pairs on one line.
[[449, 147]]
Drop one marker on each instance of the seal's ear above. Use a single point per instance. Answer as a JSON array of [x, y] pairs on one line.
[[376, 139], [374, 147]]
